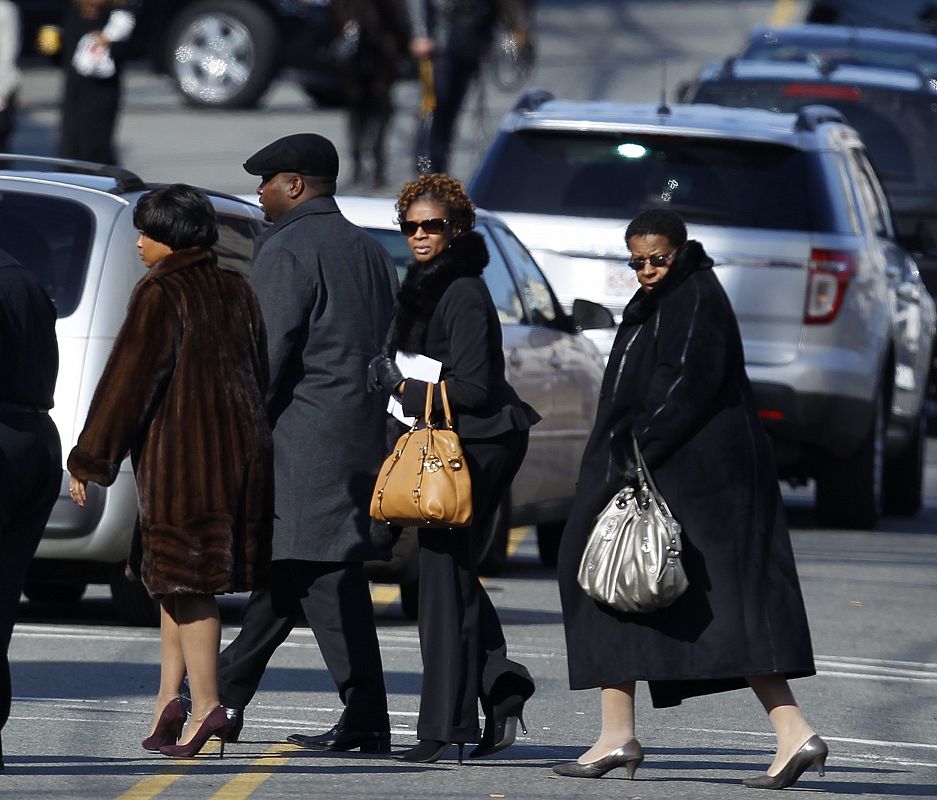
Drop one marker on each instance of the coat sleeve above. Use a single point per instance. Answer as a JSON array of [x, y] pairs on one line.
[[465, 316], [286, 293], [131, 387], [694, 355]]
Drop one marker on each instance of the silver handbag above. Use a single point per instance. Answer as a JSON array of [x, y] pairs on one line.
[[632, 557]]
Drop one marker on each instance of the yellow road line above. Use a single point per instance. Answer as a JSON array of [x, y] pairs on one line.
[[515, 538], [383, 595], [154, 785], [783, 12], [245, 784]]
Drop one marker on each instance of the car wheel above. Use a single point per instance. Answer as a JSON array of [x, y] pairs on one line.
[[904, 476], [132, 601], [495, 544], [548, 542], [410, 598], [849, 490], [222, 53], [54, 594]]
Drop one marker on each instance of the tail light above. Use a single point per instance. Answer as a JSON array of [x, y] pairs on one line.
[[830, 271]]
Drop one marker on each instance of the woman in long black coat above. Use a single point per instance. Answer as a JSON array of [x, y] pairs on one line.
[[676, 381], [444, 311]]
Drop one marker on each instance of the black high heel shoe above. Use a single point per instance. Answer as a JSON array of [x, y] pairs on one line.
[[813, 751], [428, 751], [215, 724], [168, 727], [629, 755], [500, 729]]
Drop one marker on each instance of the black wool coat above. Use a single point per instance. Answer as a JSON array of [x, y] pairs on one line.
[[325, 287], [445, 312], [183, 393], [676, 379]]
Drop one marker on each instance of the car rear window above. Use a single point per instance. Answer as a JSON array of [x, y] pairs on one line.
[[614, 176], [897, 127], [52, 238], [791, 48]]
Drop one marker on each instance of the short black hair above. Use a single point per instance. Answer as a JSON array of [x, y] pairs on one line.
[[658, 222], [178, 216]]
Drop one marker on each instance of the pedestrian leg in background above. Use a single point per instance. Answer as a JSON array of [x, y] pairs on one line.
[[452, 78]]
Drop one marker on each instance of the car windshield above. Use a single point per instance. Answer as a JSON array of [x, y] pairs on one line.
[[613, 176], [808, 50], [896, 127], [52, 238]]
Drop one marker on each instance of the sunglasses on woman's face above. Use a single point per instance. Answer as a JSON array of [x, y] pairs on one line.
[[656, 261], [436, 225]]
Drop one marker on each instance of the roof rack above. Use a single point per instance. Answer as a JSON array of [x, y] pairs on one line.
[[809, 118], [126, 180], [532, 99]]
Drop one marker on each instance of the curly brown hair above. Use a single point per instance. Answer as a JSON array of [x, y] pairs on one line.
[[460, 210]]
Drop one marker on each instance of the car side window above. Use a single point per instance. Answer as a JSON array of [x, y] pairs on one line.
[[500, 284], [535, 291], [235, 246], [870, 194]]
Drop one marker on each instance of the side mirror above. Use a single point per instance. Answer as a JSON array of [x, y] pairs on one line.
[[590, 316]]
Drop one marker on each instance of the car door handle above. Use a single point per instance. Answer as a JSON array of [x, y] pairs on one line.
[[515, 358], [556, 361]]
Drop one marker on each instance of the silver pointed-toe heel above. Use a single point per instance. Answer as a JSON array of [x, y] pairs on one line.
[[813, 751], [629, 755]]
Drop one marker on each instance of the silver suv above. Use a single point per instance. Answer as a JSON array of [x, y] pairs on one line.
[[836, 323], [71, 223]]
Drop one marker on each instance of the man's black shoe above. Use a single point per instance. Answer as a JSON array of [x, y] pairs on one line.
[[235, 715], [340, 739]]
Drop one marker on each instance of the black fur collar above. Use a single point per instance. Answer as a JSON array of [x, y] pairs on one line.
[[691, 258], [426, 283]]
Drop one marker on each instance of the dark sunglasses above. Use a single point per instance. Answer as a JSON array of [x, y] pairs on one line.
[[656, 261], [436, 225]]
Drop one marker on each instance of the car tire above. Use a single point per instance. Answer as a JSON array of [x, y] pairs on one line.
[[234, 38], [495, 544], [410, 599], [132, 601], [849, 490], [904, 476], [548, 542], [54, 594]]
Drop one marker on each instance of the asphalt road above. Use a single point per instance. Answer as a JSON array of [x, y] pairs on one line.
[[83, 683]]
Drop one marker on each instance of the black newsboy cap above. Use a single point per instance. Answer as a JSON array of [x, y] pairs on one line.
[[303, 153]]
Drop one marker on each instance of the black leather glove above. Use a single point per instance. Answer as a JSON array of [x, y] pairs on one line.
[[383, 374]]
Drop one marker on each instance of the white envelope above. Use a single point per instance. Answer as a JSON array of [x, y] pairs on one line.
[[420, 367]]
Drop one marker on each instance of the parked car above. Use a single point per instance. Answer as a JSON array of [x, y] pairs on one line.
[[910, 15], [71, 223], [804, 244], [223, 53], [883, 82]]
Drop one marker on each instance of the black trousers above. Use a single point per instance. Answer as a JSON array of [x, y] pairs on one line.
[[463, 646], [30, 478], [89, 118], [452, 77], [335, 599]]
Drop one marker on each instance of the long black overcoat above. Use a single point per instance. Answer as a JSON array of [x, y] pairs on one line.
[[676, 378], [325, 287]]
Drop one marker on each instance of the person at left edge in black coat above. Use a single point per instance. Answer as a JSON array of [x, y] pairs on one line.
[[30, 448], [444, 311]]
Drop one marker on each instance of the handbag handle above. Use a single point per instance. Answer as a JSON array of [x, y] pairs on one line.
[[428, 407], [642, 468]]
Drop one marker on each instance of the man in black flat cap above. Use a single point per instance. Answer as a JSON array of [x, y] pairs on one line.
[[325, 287]]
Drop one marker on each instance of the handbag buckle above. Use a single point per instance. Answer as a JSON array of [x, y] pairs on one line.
[[432, 463]]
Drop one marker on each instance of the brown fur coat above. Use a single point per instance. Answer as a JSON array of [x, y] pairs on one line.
[[183, 392]]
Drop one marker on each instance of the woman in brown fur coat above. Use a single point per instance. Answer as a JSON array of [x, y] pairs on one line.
[[183, 393]]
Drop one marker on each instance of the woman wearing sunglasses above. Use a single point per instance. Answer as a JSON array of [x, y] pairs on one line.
[[444, 311], [676, 382]]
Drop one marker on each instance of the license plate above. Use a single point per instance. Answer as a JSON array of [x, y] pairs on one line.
[[620, 279]]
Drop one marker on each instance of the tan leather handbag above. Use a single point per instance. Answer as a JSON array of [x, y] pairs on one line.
[[425, 482]]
